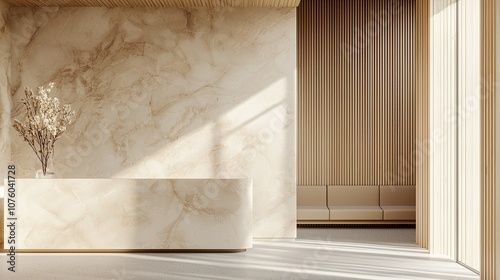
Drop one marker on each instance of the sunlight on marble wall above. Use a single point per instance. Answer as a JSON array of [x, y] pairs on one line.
[[4, 90], [175, 93]]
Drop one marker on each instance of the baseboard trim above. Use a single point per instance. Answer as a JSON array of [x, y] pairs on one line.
[[126, 251], [399, 224], [273, 239]]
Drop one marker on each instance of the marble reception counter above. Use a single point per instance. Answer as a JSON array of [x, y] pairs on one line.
[[133, 214]]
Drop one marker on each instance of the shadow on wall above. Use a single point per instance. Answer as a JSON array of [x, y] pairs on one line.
[[168, 93], [161, 93]]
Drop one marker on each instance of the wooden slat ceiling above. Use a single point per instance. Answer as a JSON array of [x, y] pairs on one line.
[[153, 3]]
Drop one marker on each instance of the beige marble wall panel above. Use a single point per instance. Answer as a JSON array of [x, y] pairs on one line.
[[5, 42], [120, 214], [169, 93]]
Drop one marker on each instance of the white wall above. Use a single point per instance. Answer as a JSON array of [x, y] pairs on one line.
[[175, 93]]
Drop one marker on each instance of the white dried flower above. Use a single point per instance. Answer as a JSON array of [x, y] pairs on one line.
[[45, 121]]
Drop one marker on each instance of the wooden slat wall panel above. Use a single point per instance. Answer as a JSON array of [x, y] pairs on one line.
[[356, 82], [153, 3], [422, 122], [488, 141]]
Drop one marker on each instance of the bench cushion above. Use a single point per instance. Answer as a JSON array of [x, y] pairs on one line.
[[311, 203], [311, 196], [398, 202], [399, 212], [397, 196], [354, 203], [313, 213], [353, 196], [355, 213]]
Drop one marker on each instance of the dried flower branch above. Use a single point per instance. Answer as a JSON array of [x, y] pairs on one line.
[[45, 122]]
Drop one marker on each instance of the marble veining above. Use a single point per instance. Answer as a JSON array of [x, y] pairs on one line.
[[168, 93], [79, 214]]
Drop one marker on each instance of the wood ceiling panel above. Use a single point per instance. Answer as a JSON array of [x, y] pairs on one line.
[[153, 3]]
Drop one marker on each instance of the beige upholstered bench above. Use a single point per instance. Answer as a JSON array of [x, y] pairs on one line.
[[398, 202], [354, 203], [311, 203]]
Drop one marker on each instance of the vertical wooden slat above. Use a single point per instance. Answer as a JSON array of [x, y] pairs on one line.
[[421, 155], [488, 141], [356, 86]]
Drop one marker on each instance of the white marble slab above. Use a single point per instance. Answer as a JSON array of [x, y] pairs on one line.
[[133, 214]]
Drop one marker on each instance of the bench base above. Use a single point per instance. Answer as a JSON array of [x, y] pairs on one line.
[[351, 222]]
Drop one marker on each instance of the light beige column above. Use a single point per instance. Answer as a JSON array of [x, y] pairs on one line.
[[428, 193], [469, 136], [443, 128]]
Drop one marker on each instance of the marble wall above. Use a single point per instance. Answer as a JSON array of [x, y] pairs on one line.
[[5, 41], [168, 93]]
